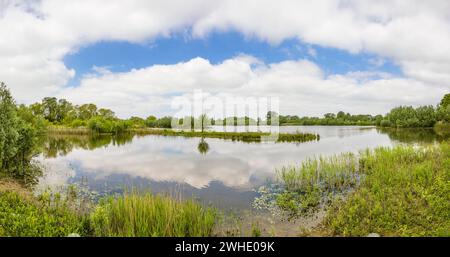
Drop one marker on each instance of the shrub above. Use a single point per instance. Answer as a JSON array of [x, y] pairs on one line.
[[385, 123], [29, 217], [78, 123]]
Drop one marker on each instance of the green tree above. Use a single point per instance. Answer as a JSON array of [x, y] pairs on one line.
[[9, 134], [17, 138], [272, 116], [151, 121], [445, 102], [106, 113], [50, 108], [204, 122], [329, 116], [137, 122], [87, 111], [63, 109], [37, 109]]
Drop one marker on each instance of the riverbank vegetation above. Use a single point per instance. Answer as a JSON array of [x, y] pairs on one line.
[[332, 119], [149, 215], [18, 130], [235, 136], [422, 116], [132, 214], [400, 191]]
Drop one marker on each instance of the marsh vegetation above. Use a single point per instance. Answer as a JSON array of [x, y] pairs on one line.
[[131, 214], [400, 191], [234, 136]]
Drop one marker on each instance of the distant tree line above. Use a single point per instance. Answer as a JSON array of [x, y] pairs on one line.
[[399, 117], [61, 112], [340, 118], [423, 116]]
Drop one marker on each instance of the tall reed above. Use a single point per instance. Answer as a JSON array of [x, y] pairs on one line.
[[152, 215]]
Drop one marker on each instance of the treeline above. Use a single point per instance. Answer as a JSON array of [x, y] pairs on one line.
[[340, 118], [399, 117], [423, 116], [101, 120], [60, 112]]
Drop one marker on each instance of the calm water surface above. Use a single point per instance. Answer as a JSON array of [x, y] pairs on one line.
[[224, 173]]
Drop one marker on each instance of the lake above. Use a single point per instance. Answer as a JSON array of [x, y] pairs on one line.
[[224, 174]]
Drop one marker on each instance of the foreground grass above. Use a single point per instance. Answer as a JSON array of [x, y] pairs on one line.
[[22, 214], [315, 182], [235, 136], [401, 191], [150, 215]]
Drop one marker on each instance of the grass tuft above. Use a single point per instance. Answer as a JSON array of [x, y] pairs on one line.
[[152, 215]]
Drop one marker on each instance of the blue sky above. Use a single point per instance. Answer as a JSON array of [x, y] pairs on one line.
[[119, 56]]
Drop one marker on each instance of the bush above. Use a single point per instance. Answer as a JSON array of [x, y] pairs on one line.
[[77, 123], [102, 125], [28, 217], [385, 123], [409, 117], [22, 214]]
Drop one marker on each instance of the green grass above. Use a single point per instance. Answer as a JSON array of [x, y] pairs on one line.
[[235, 136], [51, 215], [61, 130], [406, 192], [315, 182], [152, 215], [400, 191], [334, 173], [27, 217]]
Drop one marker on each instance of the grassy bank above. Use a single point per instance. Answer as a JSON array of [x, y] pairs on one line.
[[316, 181], [406, 192], [235, 136], [59, 130], [22, 214], [401, 191]]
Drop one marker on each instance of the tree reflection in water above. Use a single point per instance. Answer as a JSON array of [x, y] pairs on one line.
[[52, 146], [203, 146], [413, 135]]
